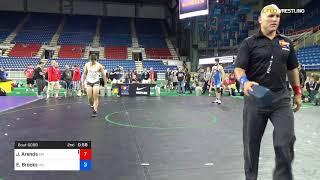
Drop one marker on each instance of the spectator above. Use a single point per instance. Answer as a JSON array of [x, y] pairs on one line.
[[39, 76], [134, 77], [67, 78], [168, 79], [317, 89], [53, 78], [174, 80], [188, 79], [207, 77], [302, 75], [76, 80], [310, 86], [201, 78], [30, 79], [180, 76], [145, 76], [152, 75]]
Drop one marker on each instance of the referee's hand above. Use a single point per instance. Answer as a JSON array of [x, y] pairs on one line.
[[297, 103], [248, 87]]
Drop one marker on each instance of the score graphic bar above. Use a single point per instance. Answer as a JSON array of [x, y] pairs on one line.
[[52, 155]]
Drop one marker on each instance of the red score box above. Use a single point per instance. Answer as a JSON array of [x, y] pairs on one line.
[[85, 154]]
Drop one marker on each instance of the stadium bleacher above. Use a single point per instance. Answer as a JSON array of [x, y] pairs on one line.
[[115, 31], [309, 57], [112, 64], [24, 50], [158, 53], [17, 63], [40, 28], [116, 52], [9, 21], [71, 51], [75, 33], [157, 65]]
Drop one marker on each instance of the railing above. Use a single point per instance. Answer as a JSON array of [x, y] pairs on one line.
[[313, 29], [15, 74], [32, 54], [160, 57]]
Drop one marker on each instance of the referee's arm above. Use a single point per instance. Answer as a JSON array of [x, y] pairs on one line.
[[241, 65], [293, 76]]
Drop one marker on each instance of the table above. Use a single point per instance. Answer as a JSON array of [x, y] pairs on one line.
[[6, 85], [133, 90]]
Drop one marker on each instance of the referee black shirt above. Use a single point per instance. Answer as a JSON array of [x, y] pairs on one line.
[[266, 61]]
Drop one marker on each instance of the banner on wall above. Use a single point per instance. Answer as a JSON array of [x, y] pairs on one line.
[[191, 8]]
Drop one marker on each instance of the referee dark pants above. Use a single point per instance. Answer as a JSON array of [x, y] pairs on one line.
[[255, 121]]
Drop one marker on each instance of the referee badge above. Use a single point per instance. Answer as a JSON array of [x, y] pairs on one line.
[[284, 45]]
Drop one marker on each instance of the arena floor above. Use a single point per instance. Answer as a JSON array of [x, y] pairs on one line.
[[154, 138]]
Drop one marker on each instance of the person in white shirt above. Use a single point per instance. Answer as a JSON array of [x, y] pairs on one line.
[[91, 73]]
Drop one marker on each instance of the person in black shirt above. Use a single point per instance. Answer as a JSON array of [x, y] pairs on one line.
[[168, 80], [188, 79], [266, 58], [39, 77], [67, 78], [180, 76], [302, 75]]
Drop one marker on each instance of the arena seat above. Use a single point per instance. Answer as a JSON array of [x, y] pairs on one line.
[[115, 31], [158, 53], [71, 51], [24, 50], [112, 64], [39, 29], [116, 52], [297, 22], [78, 30], [309, 57], [157, 65], [18, 63], [9, 21], [152, 41]]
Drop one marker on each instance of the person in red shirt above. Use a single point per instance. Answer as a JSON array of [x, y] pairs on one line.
[[58, 71], [152, 75], [76, 80], [53, 81], [29, 75]]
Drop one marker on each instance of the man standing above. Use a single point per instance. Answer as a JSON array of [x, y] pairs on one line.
[[180, 76], [30, 79], [266, 58], [217, 79], [76, 80], [53, 80], [39, 76], [67, 78]]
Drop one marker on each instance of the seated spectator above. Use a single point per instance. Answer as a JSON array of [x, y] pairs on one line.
[[317, 90], [311, 88]]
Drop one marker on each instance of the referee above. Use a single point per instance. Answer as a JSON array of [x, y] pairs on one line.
[[266, 58]]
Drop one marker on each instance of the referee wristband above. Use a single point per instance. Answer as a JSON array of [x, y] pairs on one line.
[[297, 90], [243, 79]]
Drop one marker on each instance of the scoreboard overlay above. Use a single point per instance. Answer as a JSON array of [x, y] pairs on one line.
[[52, 156]]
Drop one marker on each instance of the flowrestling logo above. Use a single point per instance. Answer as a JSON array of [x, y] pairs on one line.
[[292, 11], [283, 11]]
